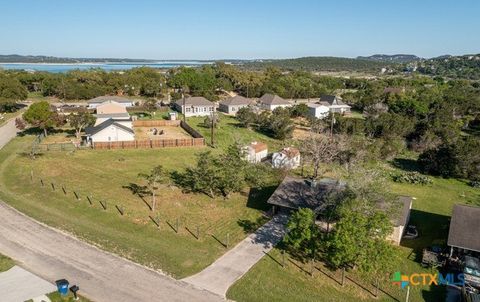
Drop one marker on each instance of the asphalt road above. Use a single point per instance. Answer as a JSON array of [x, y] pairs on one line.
[[101, 276]]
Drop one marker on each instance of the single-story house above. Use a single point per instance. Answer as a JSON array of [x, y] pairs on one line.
[[109, 131], [121, 118], [318, 110], [464, 241], [287, 158], [295, 193], [195, 106], [256, 151], [93, 103], [270, 102], [108, 107], [464, 233], [233, 104], [335, 104]]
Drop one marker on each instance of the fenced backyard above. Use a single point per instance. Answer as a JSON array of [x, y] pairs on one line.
[[173, 134]]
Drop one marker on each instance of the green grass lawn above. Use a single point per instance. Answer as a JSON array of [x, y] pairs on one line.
[[5, 263], [229, 131], [56, 297], [432, 207], [102, 175]]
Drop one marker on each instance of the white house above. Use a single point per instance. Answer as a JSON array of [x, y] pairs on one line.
[[109, 131], [233, 104], [334, 103], [318, 110], [271, 101], [255, 152], [195, 106], [95, 102], [287, 158]]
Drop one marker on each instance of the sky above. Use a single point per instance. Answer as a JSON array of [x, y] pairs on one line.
[[248, 29]]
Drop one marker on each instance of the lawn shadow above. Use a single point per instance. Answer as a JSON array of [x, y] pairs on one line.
[[139, 191], [406, 164], [257, 198], [250, 226], [432, 228]]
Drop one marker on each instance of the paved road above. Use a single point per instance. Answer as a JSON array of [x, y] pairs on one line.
[[101, 276], [17, 284], [7, 132], [221, 274]]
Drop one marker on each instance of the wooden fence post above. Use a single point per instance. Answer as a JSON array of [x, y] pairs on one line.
[[64, 190], [198, 232], [89, 200], [53, 186], [31, 175], [41, 181], [343, 277], [227, 240]]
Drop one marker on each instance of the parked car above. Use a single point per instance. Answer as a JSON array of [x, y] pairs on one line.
[[411, 232]]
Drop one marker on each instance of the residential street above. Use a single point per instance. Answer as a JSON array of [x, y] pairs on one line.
[[101, 276], [221, 274]]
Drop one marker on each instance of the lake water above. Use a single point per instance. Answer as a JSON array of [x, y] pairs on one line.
[[105, 66]]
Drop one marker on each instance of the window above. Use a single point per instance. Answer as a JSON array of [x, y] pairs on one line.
[[234, 108], [187, 109], [211, 109]]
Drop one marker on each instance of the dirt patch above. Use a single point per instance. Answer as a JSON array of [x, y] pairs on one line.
[[162, 132]]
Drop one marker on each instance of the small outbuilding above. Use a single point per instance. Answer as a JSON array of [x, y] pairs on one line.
[[288, 158], [256, 152]]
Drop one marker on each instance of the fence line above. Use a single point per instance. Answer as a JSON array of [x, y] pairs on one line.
[[150, 144], [155, 123]]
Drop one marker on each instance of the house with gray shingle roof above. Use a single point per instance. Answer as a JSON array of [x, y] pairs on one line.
[[233, 104], [271, 101], [93, 103], [195, 106], [334, 103], [109, 131]]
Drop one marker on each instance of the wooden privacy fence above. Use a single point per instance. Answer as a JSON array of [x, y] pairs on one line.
[[147, 144], [155, 123]]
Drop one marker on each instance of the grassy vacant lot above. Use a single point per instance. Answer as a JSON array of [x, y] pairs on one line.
[[103, 175], [230, 131], [5, 263], [268, 281]]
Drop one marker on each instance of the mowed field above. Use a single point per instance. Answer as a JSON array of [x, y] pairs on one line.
[[103, 175]]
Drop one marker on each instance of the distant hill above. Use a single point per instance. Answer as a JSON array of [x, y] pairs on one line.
[[320, 64], [399, 58], [48, 59], [464, 67]]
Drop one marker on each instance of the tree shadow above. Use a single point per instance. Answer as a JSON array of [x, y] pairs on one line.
[[257, 198], [406, 164], [432, 228], [140, 191], [250, 226]]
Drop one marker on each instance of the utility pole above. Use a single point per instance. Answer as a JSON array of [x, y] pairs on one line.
[[184, 107], [332, 121], [212, 127]]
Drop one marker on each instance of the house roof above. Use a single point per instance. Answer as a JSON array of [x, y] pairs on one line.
[[331, 100], [405, 204], [113, 115], [106, 124], [118, 99], [465, 228], [237, 100], [194, 101], [290, 152], [273, 99], [258, 146], [317, 104], [295, 193]]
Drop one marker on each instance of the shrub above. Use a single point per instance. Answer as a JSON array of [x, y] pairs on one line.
[[412, 178]]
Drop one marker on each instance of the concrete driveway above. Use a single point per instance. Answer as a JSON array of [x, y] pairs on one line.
[[7, 132], [221, 274], [17, 284], [101, 276]]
